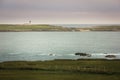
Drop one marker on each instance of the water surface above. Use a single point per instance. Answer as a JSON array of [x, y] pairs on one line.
[[39, 45]]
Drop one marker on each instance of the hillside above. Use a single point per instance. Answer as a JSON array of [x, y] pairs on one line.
[[45, 27], [100, 28], [22, 28], [106, 28], [60, 70]]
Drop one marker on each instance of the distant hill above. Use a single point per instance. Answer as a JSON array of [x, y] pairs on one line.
[[100, 28], [22, 28], [45, 27], [106, 28]]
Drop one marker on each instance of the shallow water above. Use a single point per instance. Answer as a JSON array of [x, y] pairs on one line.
[[61, 45]]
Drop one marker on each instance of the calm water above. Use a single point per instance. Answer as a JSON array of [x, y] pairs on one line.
[[62, 45]]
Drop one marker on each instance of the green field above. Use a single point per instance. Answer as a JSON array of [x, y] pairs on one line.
[[22, 28], [45, 27], [61, 70]]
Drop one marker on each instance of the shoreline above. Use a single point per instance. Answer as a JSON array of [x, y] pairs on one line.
[[53, 28], [61, 60], [60, 31], [74, 57]]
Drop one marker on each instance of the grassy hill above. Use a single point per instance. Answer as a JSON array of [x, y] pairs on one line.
[[26, 28], [61, 70], [106, 28], [20, 28], [100, 28]]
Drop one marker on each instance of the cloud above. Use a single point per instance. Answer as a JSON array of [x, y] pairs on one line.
[[77, 10], [61, 5]]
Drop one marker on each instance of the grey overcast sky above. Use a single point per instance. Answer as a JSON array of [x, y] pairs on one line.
[[60, 11]]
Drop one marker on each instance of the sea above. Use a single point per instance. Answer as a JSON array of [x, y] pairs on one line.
[[35, 46]]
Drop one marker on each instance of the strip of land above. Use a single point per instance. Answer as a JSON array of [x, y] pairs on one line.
[[39, 28], [60, 70]]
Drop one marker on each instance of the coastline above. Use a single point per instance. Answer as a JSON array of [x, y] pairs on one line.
[[19, 66], [54, 28]]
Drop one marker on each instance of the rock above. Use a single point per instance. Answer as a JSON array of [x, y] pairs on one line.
[[51, 54], [83, 54], [110, 56]]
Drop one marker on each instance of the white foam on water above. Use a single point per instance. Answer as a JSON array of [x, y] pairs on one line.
[[14, 53]]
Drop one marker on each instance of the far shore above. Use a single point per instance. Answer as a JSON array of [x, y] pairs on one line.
[[52, 28]]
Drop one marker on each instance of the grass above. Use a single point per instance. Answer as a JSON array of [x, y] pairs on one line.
[[45, 27], [21, 28], [61, 70], [53, 75]]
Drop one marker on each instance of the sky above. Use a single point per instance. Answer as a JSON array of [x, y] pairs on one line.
[[60, 11]]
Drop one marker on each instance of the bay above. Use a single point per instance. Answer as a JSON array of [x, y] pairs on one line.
[[57, 45]]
